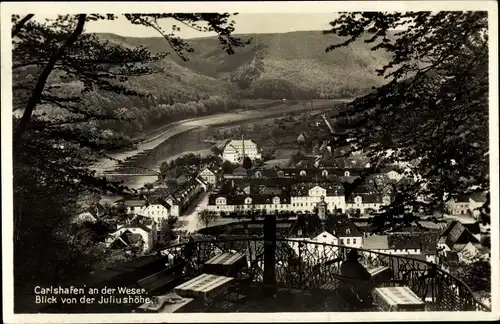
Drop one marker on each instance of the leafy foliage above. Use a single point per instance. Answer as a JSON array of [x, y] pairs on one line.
[[477, 275], [206, 217], [58, 72], [433, 110], [247, 163]]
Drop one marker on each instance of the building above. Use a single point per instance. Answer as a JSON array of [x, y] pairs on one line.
[[367, 203], [347, 233], [236, 150], [209, 176], [455, 237], [238, 173], [183, 196], [306, 198], [301, 199], [406, 245], [466, 204], [138, 233], [376, 243], [157, 209]]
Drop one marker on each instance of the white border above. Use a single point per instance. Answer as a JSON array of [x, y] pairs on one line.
[[7, 9]]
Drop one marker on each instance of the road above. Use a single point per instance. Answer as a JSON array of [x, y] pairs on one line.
[[190, 221]]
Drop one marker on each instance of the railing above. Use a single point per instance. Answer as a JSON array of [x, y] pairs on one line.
[[304, 265]]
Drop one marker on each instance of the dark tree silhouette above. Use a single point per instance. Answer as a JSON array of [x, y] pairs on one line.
[[57, 71], [433, 110], [247, 163]]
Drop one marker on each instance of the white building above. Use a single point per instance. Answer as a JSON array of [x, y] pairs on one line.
[[145, 230], [302, 200], [236, 150], [209, 176], [366, 203], [158, 209], [466, 205]]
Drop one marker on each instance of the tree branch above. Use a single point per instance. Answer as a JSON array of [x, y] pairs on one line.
[[42, 80], [17, 28]]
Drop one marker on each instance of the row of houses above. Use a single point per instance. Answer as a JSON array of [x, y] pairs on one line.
[[161, 208], [301, 198]]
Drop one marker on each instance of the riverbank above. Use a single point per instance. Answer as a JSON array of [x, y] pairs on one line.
[[209, 121]]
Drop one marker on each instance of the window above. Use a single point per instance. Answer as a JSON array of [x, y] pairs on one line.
[[348, 241], [353, 241], [341, 241]]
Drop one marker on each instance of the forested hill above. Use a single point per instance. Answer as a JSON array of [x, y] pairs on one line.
[[274, 66]]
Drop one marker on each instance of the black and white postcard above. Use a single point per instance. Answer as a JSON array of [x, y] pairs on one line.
[[320, 161]]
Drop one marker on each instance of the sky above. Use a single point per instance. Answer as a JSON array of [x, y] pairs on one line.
[[244, 24]]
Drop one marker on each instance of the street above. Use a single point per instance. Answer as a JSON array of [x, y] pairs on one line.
[[190, 221]]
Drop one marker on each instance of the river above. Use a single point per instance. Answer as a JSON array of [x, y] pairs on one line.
[[185, 137]]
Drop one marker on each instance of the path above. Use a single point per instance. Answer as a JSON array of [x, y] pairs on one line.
[[191, 219]]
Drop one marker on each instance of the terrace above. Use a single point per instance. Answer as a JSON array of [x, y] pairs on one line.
[[270, 274], [303, 280]]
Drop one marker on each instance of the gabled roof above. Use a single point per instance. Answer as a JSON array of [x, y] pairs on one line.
[[137, 225], [207, 170], [135, 203], [343, 228], [376, 242], [159, 201], [456, 234], [403, 242], [320, 233], [241, 142], [368, 198], [479, 196]]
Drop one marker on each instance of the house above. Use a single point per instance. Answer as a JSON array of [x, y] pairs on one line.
[[239, 202], [238, 173], [91, 214], [208, 176], [459, 205], [476, 201], [157, 208], [376, 243], [467, 204], [313, 254], [134, 206], [236, 150], [183, 196], [404, 244], [325, 237], [473, 252], [303, 198], [306, 197], [367, 203], [347, 233], [136, 233], [455, 237], [84, 217], [407, 245]]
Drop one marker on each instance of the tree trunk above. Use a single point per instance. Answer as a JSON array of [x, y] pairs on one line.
[[17, 28], [42, 80]]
